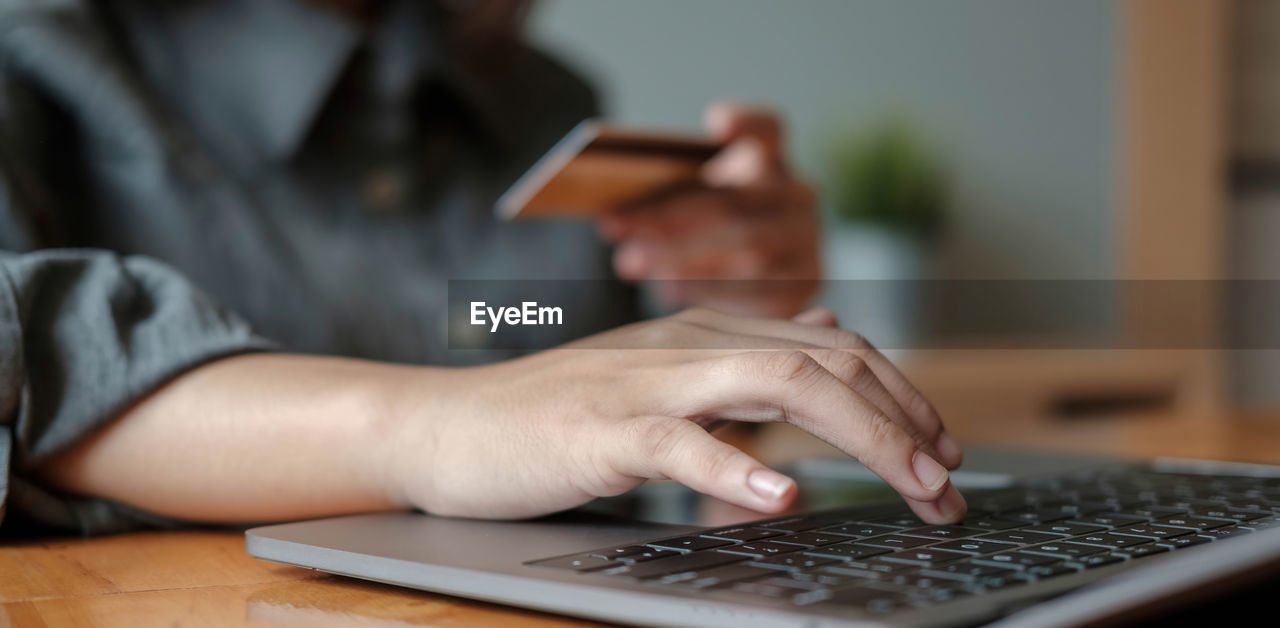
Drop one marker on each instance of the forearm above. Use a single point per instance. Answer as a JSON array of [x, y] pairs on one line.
[[257, 438]]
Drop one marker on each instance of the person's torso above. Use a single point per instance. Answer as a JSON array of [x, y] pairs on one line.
[[345, 243]]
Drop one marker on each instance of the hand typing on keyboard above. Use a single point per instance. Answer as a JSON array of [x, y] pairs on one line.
[[600, 416]]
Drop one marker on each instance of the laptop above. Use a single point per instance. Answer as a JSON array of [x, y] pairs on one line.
[[1049, 540]]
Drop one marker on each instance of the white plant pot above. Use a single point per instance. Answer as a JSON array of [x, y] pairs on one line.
[[872, 283]]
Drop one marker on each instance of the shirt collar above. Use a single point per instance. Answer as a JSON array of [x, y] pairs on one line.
[[254, 74]]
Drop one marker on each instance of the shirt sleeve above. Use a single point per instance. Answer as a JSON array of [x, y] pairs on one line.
[[83, 335]]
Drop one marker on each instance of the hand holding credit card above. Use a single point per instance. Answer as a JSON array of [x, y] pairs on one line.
[[719, 222]]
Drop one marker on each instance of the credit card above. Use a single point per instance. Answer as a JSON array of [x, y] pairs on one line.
[[599, 167]]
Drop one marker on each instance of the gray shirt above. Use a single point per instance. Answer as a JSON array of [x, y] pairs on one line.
[[182, 180]]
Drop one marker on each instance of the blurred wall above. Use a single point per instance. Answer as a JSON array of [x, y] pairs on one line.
[[1255, 211], [1018, 94]]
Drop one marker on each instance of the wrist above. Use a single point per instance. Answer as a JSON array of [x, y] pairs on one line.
[[414, 407]]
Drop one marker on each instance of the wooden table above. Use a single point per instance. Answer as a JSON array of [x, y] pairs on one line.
[[206, 579]]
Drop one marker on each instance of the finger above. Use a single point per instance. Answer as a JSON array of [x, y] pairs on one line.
[[908, 397], [699, 209], [743, 249], [668, 447], [792, 386], [819, 316], [857, 374], [673, 212], [846, 367], [950, 508], [730, 122]]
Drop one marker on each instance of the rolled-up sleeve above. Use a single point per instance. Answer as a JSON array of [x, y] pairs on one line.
[[83, 335]]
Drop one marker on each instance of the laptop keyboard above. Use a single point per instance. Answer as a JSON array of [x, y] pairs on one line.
[[1012, 537]]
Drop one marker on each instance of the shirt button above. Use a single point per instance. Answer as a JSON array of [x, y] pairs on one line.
[[383, 191]]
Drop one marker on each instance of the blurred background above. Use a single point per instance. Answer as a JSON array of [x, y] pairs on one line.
[[999, 139]]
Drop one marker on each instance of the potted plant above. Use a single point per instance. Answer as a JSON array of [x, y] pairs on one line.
[[886, 196]]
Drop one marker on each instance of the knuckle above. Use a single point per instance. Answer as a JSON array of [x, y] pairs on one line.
[[656, 438], [719, 463], [851, 368], [789, 366], [883, 432]]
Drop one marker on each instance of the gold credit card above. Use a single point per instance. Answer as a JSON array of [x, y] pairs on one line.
[[599, 167]]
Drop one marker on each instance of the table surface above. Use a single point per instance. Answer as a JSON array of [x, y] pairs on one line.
[[206, 579]]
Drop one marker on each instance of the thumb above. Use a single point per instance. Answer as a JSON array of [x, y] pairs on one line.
[[729, 122], [683, 451]]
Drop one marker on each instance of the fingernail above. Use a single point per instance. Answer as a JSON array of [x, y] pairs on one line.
[[952, 505], [769, 484], [931, 474], [948, 448]]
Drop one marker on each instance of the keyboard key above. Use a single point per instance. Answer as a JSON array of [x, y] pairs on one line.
[[1156, 511], [859, 529], [741, 534], [923, 584], [830, 581], [1049, 571], [696, 561], [1020, 537], [897, 541], [1039, 515], [1183, 541], [943, 532], [626, 550], [1066, 529], [761, 549], [847, 551], [1152, 531], [1194, 522], [1107, 520], [1110, 540], [973, 546], [1261, 524], [925, 557], [649, 554], [1016, 560], [577, 562], [794, 561], [900, 521], [1097, 560], [810, 539], [1140, 551], [797, 524], [1065, 549], [1218, 513], [884, 567], [994, 583], [688, 543], [855, 570], [1223, 533], [993, 524]]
